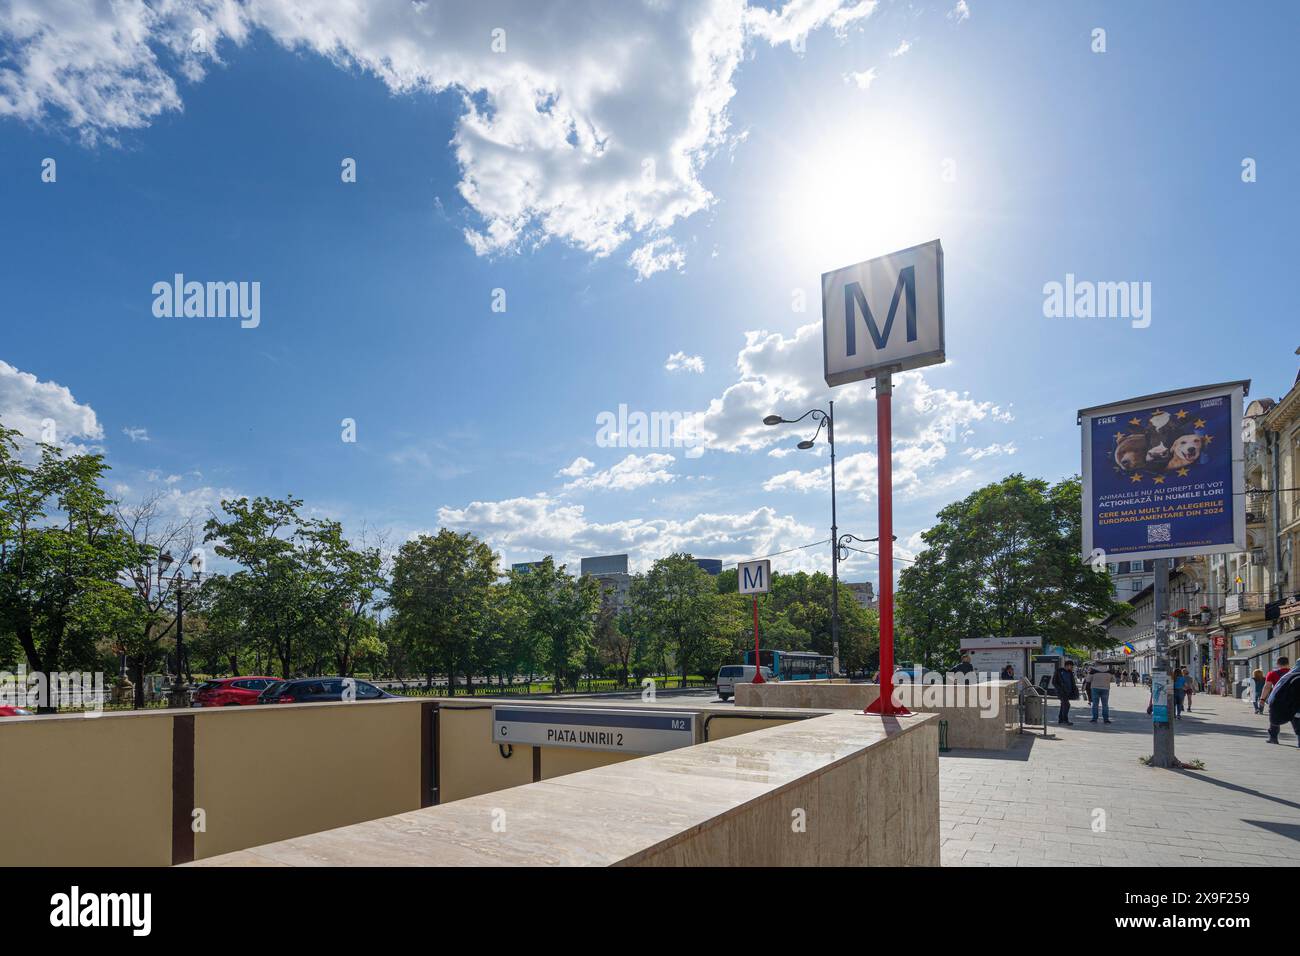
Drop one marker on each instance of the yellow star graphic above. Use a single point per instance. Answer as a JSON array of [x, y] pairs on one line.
[[1182, 472], [1208, 439], [1199, 423], [1182, 413], [1137, 476], [1158, 480], [1135, 421]]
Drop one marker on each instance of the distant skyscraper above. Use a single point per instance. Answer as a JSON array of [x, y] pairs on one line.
[[611, 571]]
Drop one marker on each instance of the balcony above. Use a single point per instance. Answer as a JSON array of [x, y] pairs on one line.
[[1243, 608]]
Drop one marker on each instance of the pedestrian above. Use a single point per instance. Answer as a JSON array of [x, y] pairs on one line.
[[1276, 674], [1187, 690], [1180, 692], [1284, 705], [1066, 689], [1257, 678], [965, 667], [1099, 689], [1008, 672]]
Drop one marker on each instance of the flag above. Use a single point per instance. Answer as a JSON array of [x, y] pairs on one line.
[[1128, 649]]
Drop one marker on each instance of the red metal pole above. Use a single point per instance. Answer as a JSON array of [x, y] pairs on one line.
[[885, 494], [758, 664]]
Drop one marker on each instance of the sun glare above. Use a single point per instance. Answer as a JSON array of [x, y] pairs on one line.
[[855, 196]]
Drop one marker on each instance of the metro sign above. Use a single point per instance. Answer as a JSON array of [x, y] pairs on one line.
[[754, 577], [883, 315]]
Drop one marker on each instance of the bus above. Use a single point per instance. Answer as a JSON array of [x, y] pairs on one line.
[[794, 665]]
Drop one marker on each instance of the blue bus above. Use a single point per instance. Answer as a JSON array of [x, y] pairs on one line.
[[794, 665]]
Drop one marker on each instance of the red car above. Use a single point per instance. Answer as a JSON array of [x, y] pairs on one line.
[[232, 691], [7, 711]]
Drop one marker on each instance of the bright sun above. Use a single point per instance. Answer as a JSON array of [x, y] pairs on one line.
[[854, 196]]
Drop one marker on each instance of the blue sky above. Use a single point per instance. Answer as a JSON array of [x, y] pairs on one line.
[[784, 141]]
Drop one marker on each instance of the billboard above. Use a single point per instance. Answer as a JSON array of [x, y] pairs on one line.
[[883, 315], [1162, 475]]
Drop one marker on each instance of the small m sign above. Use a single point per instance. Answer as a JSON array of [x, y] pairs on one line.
[[905, 290], [754, 577]]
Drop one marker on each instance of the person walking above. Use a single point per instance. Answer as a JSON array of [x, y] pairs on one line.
[[1099, 692], [1180, 692], [1284, 705], [1067, 689], [1272, 678], [1187, 689], [1257, 679]]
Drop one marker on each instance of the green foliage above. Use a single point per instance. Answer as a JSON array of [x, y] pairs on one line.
[[1003, 562]]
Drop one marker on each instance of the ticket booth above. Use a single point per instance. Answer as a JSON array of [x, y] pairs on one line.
[[989, 655]]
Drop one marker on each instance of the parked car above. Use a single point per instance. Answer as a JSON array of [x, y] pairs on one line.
[[315, 690], [7, 710], [729, 675], [231, 691]]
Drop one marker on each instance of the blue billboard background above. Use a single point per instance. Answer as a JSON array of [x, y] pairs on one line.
[[1162, 477]]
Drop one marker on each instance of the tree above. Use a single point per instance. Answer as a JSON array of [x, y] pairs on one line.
[[60, 551], [440, 598], [263, 537], [561, 615], [679, 605], [1005, 562], [153, 594]]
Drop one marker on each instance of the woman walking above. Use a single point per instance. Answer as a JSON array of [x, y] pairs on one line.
[[1180, 692], [1188, 688], [1257, 678]]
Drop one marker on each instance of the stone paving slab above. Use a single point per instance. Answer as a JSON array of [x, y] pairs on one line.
[[1036, 804]]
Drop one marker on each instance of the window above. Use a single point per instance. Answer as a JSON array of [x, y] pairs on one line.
[[1137, 585]]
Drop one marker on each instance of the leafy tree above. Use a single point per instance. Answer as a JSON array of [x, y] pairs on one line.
[[1004, 562], [60, 551], [678, 605], [440, 598], [561, 613]]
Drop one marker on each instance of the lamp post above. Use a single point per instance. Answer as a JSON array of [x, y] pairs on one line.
[[826, 419], [177, 697]]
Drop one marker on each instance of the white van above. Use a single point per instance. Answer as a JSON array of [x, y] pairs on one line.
[[729, 675]]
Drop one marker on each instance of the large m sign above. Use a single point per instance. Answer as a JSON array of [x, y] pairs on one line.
[[854, 299]]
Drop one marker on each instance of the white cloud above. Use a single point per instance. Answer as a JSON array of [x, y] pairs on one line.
[[579, 466], [634, 471], [45, 411], [136, 433], [902, 48], [989, 451], [960, 12], [590, 123], [658, 255], [525, 528], [680, 361], [861, 80], [793, 22]]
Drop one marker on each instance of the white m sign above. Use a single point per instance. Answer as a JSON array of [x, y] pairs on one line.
[[754, 577], [883, 315]]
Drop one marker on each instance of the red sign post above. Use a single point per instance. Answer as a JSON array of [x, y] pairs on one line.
[[884, 704], [758, 664]]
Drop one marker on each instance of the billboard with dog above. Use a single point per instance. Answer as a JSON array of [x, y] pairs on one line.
[[1162, 475]]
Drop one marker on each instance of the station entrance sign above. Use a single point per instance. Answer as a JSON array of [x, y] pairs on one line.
[[620, 730]]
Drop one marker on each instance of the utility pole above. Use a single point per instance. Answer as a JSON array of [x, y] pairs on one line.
[[1162, 717]]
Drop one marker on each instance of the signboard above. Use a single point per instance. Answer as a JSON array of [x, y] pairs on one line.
[[622, 730], [999, 643], [1160, 697], [754, 577], [883, 315], [1162, 476]]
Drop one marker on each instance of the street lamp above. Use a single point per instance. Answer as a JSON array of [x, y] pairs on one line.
[[177, 698], [824, 419]]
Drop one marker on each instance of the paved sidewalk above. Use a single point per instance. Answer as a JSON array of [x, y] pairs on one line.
[[1035, 805]]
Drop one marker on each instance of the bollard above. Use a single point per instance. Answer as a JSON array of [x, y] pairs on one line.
[[943, 737]]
